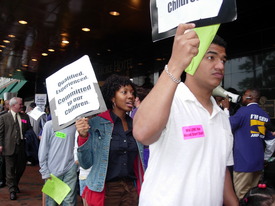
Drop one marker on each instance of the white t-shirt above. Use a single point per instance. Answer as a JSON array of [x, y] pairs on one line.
[[83, 173], [187, 164]]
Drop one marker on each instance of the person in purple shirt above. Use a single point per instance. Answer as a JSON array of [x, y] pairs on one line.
[[249, 135], [140, 95]]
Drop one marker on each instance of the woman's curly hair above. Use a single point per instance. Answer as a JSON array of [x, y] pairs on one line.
[[112, 84]]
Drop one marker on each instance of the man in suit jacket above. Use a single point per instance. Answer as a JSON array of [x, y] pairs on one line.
[[13, 126], [2, 158]]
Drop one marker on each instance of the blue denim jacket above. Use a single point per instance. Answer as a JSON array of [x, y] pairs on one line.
[[95, 153]]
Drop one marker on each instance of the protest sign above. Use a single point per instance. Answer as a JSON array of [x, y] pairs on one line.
[[36, 113], [172, 13], [40, 99], [73, 91], [166, 15]]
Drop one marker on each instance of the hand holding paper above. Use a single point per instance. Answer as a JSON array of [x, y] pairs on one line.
[[190, 45], [185, 47], [206, 35], [56, 189]]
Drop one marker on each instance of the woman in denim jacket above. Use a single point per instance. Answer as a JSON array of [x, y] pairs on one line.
[[107, 144]]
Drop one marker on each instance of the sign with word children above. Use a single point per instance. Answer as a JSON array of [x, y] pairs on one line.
[[166, 15], [73, 91]]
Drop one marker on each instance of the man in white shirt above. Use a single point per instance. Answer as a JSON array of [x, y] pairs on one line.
[[189, 135]]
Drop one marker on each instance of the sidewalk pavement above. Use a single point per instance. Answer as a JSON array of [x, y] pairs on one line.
[[30, 186]]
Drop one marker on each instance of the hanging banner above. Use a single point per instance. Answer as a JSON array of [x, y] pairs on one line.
[[73, 91], [166, 15]]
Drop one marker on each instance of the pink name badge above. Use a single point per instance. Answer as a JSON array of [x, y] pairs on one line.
[[193, 131], [23, 121]]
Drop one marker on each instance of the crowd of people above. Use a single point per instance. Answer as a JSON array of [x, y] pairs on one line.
[[202, 151]]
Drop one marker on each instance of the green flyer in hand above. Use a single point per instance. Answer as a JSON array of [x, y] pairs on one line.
[[56, 189], [206, 35]]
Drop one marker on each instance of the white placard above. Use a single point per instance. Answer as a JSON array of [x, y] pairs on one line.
[[72, 89], [36, 113], [40, 99], [173, 12]]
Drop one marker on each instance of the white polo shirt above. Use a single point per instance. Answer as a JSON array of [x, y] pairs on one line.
[[187, 164]]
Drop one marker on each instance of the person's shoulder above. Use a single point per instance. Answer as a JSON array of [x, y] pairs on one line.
[[6, 116], [48, 124], [225, 113], [22, 115], [239, 113], [254, 107], [3, 112], [106, 116], [183, 93], [70, 129], [97, 119], [242, 108]]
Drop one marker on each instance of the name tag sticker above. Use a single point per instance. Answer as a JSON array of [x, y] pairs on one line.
[[23, 121], [193, 131], [60, 135]]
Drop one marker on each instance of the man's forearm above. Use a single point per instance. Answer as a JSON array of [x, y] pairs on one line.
[[152, 115], [229, 196]]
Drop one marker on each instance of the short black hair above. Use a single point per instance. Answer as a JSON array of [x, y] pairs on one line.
[[255, 93], [112, 84], [33, 105], [219, 41]]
